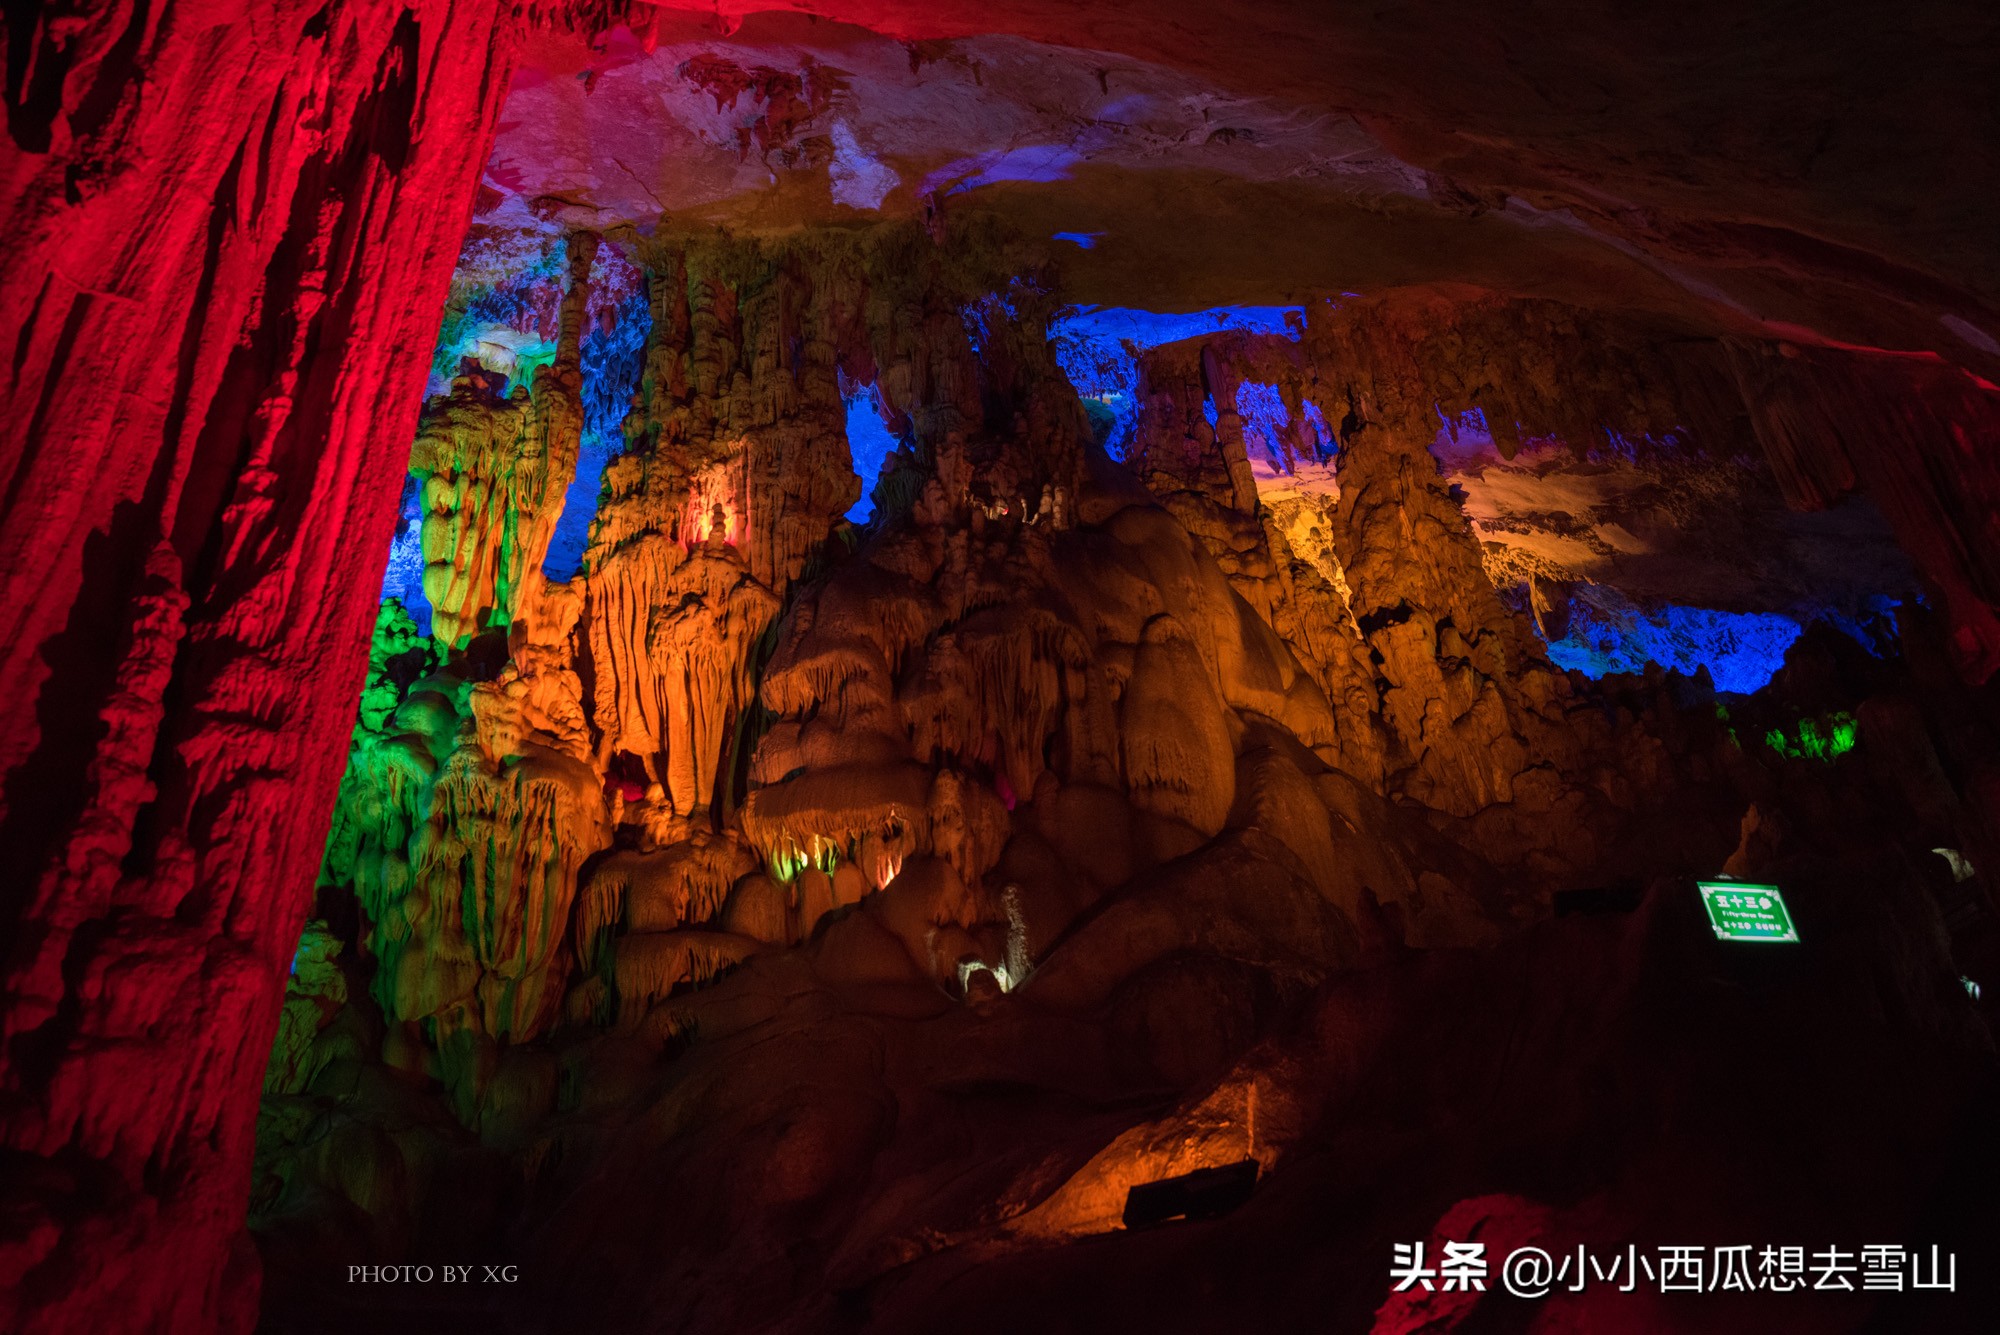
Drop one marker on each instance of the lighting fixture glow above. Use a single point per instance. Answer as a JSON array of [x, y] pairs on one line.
[[1961, 869], [1816, 740], [1001, 974]]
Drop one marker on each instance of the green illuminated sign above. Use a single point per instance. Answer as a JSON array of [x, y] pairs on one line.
[[1740, 911]]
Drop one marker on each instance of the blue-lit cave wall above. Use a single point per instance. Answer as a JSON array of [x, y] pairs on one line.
[[1265, 422], [1608, 633], [614, 357], [509, 326], [404, 578], [1742, 651], [1098, 348], [1597, 629]]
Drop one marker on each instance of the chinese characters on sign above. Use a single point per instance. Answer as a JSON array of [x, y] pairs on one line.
[[1531, 1272], [1740, 911]]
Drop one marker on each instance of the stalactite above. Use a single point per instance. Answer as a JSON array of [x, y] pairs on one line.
[[503, 851], [1177, 750], [469, 807], [628, 707], [992, 690], [683, 884], [833, 809], [707, 639], [1457, 696], [1141, 738], [646, 967], [493, 473], [470, 804]]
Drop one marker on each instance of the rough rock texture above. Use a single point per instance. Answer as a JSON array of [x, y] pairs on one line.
[[1905, 431], [836, 1143], [1778, 168], [226, 228], [483, 778]]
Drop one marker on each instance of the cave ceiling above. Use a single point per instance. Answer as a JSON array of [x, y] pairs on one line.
[[1767, 179], [1773, 174]]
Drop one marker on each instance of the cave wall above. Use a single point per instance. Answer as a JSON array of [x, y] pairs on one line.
[[227, 225], [1119, 740], [542, 722], [1911, 432]]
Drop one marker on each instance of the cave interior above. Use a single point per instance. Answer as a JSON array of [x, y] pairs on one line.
[[735, 665]]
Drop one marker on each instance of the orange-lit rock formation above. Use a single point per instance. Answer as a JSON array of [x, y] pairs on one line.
[[492, 476]]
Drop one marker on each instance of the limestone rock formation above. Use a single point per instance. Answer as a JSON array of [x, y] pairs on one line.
[[492, 472], [1149, 766]]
